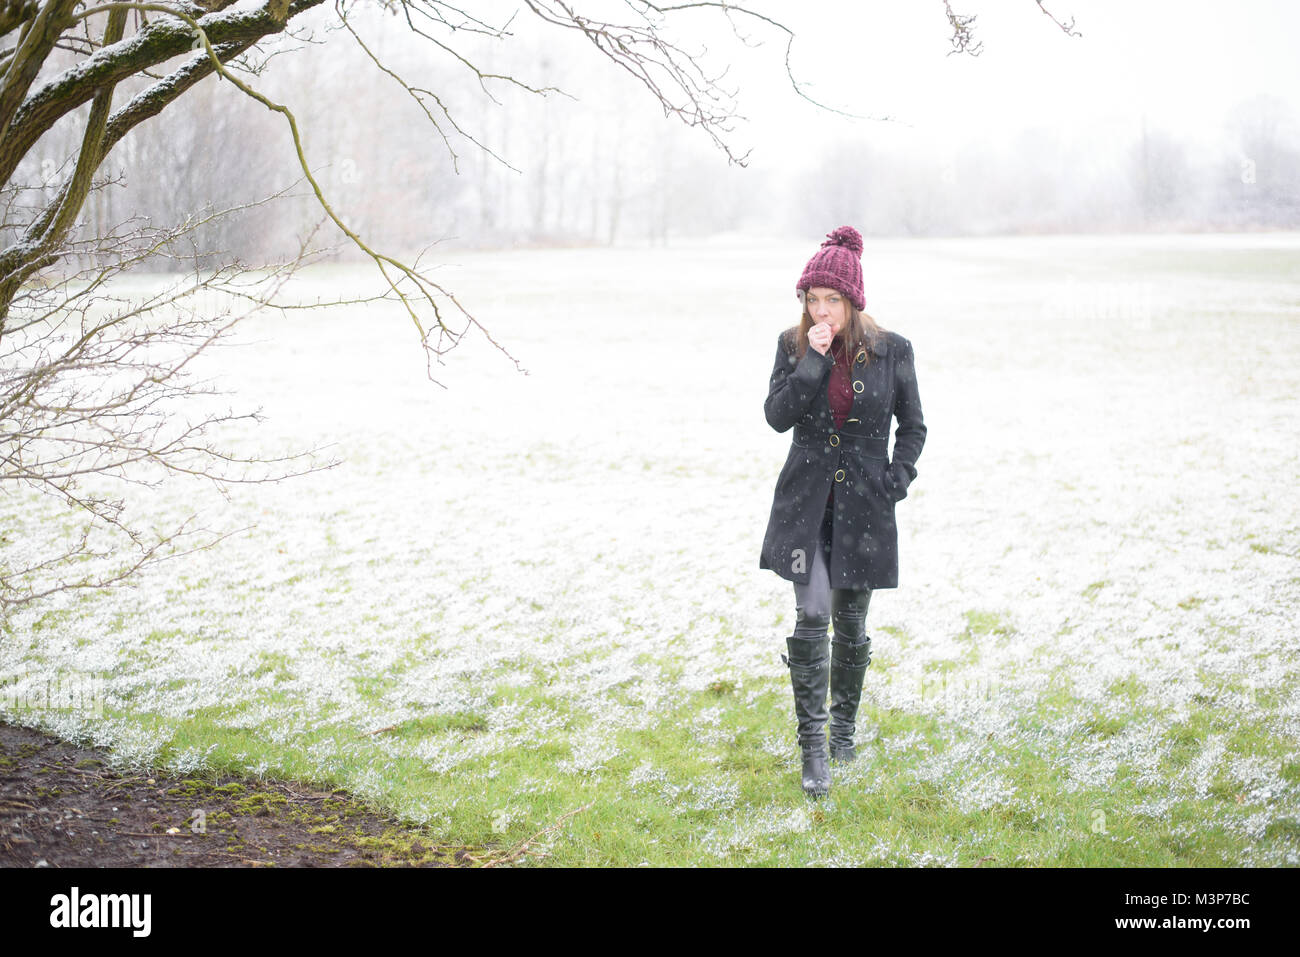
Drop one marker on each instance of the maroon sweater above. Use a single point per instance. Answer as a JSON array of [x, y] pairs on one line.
[[840, 389], [839, 392]]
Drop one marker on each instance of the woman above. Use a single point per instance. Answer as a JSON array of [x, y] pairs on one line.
[[838, 380]]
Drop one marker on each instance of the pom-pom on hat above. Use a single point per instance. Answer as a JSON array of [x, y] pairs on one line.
[[837, 265]]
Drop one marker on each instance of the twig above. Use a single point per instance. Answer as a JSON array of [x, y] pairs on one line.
[[963, 39], [521, 848], [1068, 28]]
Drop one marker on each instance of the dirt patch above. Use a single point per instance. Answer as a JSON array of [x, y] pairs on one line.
[[64, 806]]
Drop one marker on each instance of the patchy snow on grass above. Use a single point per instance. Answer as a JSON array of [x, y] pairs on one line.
[[1100, 547]]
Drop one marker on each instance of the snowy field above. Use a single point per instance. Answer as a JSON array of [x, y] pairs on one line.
[[545, 588]]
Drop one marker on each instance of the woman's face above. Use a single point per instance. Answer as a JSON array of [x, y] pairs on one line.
[[827, 305]]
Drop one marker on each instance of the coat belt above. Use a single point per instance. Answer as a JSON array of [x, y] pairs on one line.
[[826, 440]]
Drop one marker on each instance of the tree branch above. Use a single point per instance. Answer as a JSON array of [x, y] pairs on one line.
[[156, 43]]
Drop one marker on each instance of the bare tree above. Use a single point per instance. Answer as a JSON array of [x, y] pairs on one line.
[[1161, 176], [97, 390]]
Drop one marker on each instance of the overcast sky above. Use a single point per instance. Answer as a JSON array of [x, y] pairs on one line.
[[1185, 64]]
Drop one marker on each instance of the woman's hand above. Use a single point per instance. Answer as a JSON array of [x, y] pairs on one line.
[[820, 336]]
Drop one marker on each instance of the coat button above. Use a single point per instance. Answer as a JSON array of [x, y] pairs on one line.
[[835, 440], [839, 475], [862, 355], [857, 385]]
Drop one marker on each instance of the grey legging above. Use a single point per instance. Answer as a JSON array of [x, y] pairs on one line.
[[818, 605]]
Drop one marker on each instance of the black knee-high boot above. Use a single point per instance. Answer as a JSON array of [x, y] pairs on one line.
[[848, 667], [809, 663]]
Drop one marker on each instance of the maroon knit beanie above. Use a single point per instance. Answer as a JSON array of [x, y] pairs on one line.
[[837, 265]]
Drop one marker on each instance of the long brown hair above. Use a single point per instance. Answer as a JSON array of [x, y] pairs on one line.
[[858, 333]]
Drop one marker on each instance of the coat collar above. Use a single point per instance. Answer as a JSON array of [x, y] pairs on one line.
[[879, 347]]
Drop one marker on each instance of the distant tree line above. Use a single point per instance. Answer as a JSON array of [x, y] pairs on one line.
[[552, 171]]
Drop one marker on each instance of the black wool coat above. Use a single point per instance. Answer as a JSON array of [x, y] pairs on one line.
[[853, 461]]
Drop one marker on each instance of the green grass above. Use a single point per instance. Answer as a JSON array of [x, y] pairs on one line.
[[700, 787], [710, 777]]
